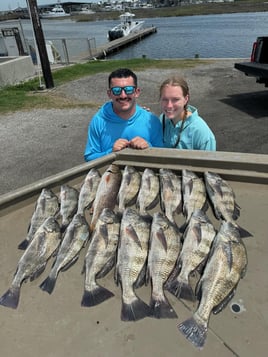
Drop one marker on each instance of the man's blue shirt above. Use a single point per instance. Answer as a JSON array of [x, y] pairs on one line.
[[106, 127]]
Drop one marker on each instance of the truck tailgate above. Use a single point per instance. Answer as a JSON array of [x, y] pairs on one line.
[[253, 68]]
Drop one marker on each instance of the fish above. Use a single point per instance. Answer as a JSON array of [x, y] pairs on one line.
[[148, 196], [75, 238], [68, 205], [34, 259], [88, 190], [194, 195], [226, 265], [197, 241], [129, 189], [164, 248], [107, 192], [100, 257], [46, 205], [170, 193], [130, 269], [223, 200]]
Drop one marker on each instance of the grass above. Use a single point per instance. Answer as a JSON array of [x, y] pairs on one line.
[[28, 96]]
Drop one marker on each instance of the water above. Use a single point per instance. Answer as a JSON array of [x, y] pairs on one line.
[[208, 36]]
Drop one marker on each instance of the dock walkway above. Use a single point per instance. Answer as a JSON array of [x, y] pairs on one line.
[[115, 45]]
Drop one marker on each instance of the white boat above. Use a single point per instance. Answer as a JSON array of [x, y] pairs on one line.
[[56, 11], [85, 11], [127, 25]]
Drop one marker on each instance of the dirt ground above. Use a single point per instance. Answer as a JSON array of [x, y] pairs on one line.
[[40, 143]]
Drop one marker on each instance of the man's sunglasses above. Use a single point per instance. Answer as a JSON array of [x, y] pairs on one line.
[[118, 90]]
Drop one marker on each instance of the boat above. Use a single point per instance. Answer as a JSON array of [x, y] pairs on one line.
[[127, 25], [84, 10], [56, 11]]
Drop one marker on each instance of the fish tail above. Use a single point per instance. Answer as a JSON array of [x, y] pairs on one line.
[[23, 245], [195, 332], [11, 298], [161, 309], [48, 284], [137, 310], [181, 290], [95, 296]]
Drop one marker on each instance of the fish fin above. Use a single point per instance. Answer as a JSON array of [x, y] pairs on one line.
[[23, 245], [70, 263], [161, 309], [141, 278], [197, 231], [132, 233], [205, 206], [195, 332], [153, 203], [103, 231], [11, 298], [179, 208], [181, 290], [38, 272], [133, 200], [183, 227], [107, 267], [175, 272], [236, 213], [218, 308], [96, 296], [137, 310], [63, 227], [48, 284], [243, 232], [147, 217], [162, 238]]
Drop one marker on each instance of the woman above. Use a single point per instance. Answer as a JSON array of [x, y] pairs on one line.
[[183, 128]]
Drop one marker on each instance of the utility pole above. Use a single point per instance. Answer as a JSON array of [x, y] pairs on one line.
[[40, 41]]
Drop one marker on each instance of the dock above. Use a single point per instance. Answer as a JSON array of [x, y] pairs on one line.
[[115, 45]]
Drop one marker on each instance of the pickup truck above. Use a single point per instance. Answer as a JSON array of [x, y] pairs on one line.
[[258, 65]]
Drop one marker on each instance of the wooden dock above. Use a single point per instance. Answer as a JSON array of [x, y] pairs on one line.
[[115, 45]]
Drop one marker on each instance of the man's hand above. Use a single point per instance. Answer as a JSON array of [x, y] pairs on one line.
[[120, 144], [138, 143]]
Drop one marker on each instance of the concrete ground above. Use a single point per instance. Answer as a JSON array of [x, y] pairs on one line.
[[40, 143]]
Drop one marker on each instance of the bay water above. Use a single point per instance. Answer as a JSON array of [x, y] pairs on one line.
[[205, 36]]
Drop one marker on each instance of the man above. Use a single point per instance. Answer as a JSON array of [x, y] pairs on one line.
[[121, 122]]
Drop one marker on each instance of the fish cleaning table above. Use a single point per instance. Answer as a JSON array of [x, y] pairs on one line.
[[57, 325]]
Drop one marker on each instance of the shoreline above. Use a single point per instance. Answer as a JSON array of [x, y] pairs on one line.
[[175, 11]]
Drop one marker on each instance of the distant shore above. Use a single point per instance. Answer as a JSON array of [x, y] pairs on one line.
[[183, 10]]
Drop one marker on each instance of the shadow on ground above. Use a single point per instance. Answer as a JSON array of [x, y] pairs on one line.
[[253, 104]]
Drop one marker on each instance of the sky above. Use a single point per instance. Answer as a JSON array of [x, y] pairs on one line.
[[6, 5]]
